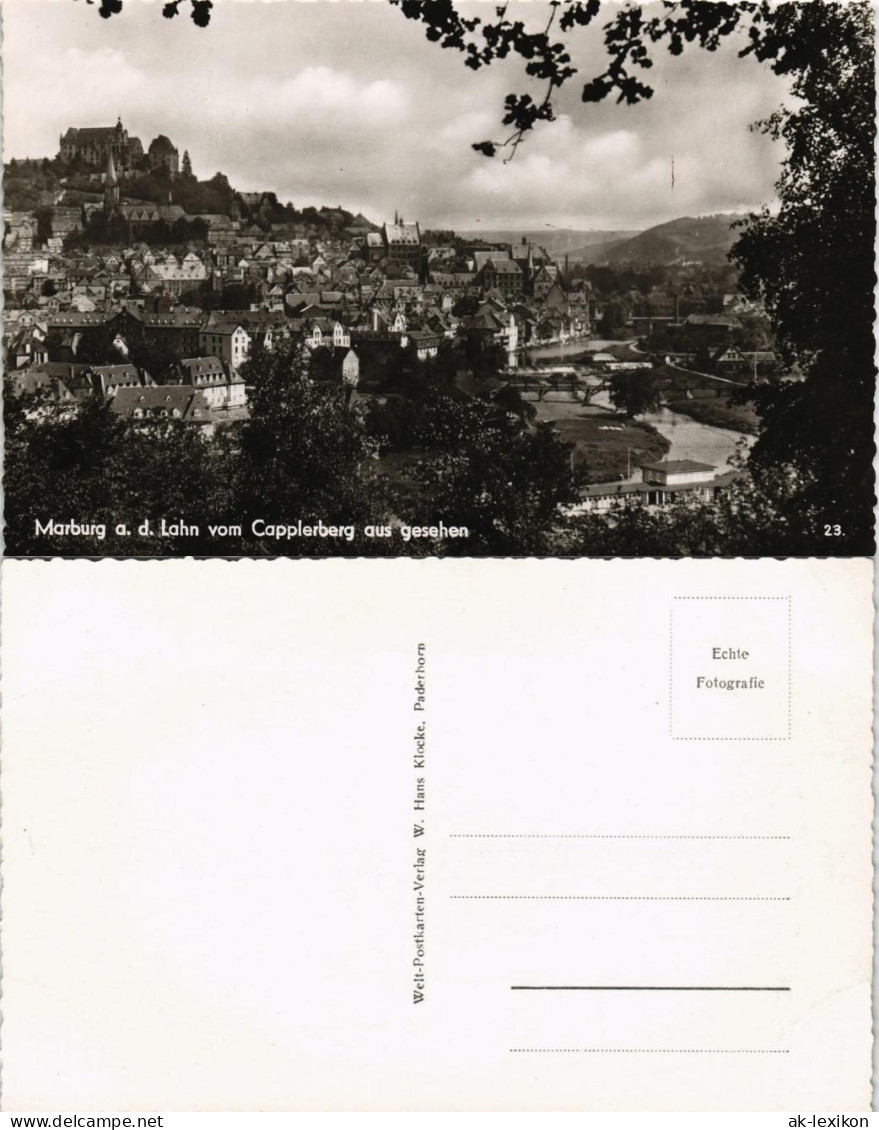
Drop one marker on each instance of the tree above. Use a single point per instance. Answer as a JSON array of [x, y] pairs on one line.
[[812, 265], [55, 467], [44, 216], [82, 463], [754, 333], [237, 296], [466, 305], [96, 347], [31, 187], [186, 169], [634, 393], [395, 368], [503, 481], [484, 356], [300, 451], [322, 365], [511, 400], [616, 315], [439, 373], [153, 357], [742, 521]]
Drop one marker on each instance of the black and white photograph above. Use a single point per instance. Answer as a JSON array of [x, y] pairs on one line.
[[438, 278], [438, 577]]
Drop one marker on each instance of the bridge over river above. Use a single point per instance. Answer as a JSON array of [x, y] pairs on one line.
[[572, 382], [565, 389]]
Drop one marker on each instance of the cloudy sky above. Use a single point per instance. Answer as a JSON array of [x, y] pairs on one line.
[[345, 102]]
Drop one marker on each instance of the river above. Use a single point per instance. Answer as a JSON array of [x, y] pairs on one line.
[[688, 438], [691, 440], [562, 349]]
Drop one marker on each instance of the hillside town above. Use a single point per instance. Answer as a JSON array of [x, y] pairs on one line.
[[129, 280], [336, 282]]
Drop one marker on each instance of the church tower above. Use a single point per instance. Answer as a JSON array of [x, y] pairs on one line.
[[111, 187], [529, 269]]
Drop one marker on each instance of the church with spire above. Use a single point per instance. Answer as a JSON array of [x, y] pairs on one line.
[[111, 187], [402, 241], [135, 213]]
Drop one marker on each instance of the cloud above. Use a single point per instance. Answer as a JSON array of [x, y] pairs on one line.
[[467, 127], [348, 103], [29, 90], [568, 172], [318, 96]]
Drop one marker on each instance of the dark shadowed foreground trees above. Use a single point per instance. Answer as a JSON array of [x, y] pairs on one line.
[[304, 455], [300, 453], [741, 522], [85, 464], [812, 263], [498, 477], [297, 457]]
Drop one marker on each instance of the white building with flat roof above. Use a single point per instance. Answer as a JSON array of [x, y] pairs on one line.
[[661, 483], [677, 472]]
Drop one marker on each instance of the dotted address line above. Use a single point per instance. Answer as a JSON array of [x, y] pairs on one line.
[[650, 1051], [640, 898], [593, 836]]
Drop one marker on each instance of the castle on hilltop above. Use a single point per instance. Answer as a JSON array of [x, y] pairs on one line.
[[95, 144]]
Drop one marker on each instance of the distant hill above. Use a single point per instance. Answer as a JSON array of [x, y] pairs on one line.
[[557, 241], [700, 239], [596, 252]]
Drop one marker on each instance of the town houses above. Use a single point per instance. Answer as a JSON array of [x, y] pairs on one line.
[[135, 283], [179, 281]]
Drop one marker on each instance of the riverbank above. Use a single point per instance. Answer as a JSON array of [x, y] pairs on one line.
[[576, 350], [609, 446], [719, 412], [700, 420], [550, 349]]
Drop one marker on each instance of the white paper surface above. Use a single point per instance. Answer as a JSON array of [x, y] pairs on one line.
[[639, 894]]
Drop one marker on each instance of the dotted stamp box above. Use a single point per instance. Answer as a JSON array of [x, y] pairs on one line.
[[730, 668]]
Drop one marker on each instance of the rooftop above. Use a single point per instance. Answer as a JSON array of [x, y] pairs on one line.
[[677, 466], [402, 233], [223, 328], [503, 266], [162, 144]]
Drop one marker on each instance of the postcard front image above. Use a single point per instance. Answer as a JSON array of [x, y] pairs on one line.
[[499, 284], [439, 533]]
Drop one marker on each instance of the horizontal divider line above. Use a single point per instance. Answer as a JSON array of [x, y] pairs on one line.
[[655, 988]]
